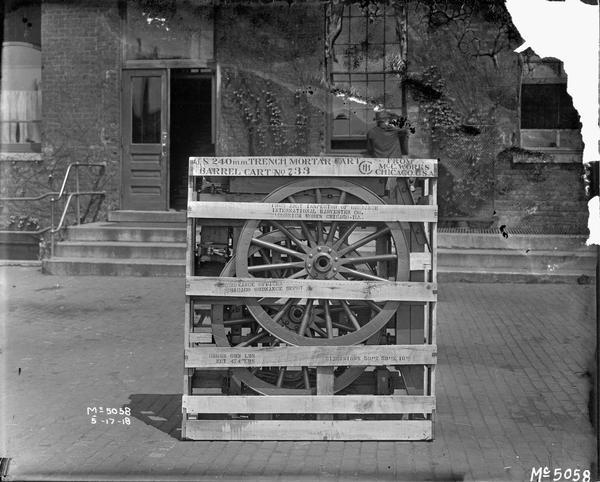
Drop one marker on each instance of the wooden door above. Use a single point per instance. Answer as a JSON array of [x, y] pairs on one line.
[[145, 140]]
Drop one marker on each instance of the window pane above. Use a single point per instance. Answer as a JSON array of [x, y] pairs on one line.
[[376, 30], [145, 110], [375, 92], [393, 92], [539, 105], [568, 116], [21, 74], [390, 29], [344, 36], [358, 32], [375, 58], [358, 122]]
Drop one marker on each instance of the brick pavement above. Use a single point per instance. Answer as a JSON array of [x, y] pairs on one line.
[[511, 386]]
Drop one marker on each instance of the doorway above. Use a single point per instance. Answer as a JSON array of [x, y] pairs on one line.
[[190, 127], [167, 117]]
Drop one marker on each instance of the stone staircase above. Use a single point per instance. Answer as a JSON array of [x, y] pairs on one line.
[[131, 243], [134, 243], [518, 258]]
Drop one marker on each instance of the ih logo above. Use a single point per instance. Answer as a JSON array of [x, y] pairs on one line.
[[365, 167]]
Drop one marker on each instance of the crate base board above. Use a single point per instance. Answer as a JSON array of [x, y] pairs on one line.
[[400, 430]]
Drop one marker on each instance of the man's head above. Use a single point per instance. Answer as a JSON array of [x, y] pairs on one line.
[[382, 117]]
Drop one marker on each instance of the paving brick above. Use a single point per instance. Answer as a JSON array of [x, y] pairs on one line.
[[510, 386]]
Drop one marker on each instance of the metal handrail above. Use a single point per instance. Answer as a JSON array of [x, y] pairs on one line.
[[30, 198], [56, 196], [77, 165], [53, 230]]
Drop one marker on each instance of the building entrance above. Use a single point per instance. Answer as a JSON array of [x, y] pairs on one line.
[[167, 117], [191, 128]]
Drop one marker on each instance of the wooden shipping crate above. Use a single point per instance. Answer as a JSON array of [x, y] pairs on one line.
[[319, 321]]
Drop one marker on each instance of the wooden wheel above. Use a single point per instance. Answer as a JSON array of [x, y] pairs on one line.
[[322, 250], [234, 326]]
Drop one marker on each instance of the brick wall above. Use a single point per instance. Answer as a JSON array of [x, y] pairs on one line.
[[81, 87], [80, 107]]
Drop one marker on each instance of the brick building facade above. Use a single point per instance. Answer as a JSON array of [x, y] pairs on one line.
[[179, 78]]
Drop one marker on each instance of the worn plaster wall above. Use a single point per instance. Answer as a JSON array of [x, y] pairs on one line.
[[271, 65], [464, 87]]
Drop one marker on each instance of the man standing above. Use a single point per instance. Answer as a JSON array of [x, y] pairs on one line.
[[385, 139]]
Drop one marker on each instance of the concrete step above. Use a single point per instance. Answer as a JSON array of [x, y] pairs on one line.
[[448, 274], [114, 267], [522, 242], [535, 260], [119, 249], [108, 231], [124, 216]]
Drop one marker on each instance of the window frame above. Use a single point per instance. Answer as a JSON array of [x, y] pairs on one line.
[[24, 47], [352, 12], [557, 153]]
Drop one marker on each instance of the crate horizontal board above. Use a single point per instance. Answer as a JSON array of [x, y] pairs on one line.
[[308, 430], [298, 166], [311, 356], [371, 404], [222, 286], [312, 212]]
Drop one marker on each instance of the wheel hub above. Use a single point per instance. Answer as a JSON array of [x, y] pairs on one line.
[[322, 262]]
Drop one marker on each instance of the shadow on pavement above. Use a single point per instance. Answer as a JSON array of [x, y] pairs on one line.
[[161, 411]]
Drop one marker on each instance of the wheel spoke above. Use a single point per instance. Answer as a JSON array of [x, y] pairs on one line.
[[305, 230], [335, 224], [365, 240], [360, 274], [290, 235], [368, 259], [299, 274], [239, 321], [344, 236], [275, 266], [319, 227], [280, 377], [284, 309], [253, 339], [350, 315], [306, 317], [305, 377], [328, 321], [373, 305], [314, 327], [276, 247]]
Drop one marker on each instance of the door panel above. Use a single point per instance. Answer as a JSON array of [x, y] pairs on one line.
[[145, 140]]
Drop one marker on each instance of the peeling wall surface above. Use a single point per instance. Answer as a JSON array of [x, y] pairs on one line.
[[460, 84], [577, 47]]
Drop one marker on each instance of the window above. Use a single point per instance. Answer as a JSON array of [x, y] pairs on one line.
[[365, 53], [20, 102], [549, 122]]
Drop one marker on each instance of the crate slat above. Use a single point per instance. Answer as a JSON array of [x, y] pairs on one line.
[[311, 212], [295, 356], [313, 289], [370, 404], [309, 430], [299, 166]]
